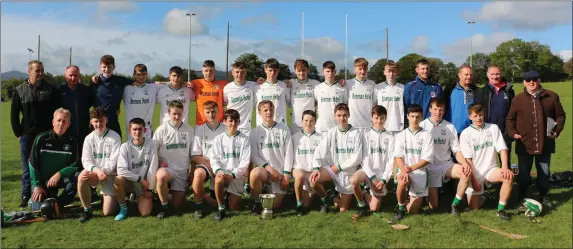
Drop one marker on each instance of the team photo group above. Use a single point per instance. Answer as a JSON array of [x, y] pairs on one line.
[[366, 139]]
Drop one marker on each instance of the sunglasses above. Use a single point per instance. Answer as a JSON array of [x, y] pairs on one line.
[[531, 80]]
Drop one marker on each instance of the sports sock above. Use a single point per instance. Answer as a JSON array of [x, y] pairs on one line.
[[257, 199], [501, 206], [457, 200], [199, 204], [298, 203], [87, 209], [323, 200], [221, 207], [401, 206], [361, 203], [123, 206], [165, 205]]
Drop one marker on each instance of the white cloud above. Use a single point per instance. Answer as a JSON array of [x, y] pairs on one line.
[[566, 54], [159, 51], [176, 22], [266, 18], [523, 15], [459, 50], [105, 9], [420, 45]]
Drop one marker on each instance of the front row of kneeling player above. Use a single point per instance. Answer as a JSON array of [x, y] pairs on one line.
[[344, 155]]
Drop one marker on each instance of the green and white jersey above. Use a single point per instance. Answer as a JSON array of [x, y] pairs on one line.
[[341, 148], [277, 93], [175, 145], [304, 146], [138, 162], [390, 96], [445, 139], [327, 97], [204, 135], [101, 151], [167, 94], [272, 146], [378, 161], [481, 145], [232, 154], [139, 102], [242, 99], [361, 99], [302, 99], [414, 146]]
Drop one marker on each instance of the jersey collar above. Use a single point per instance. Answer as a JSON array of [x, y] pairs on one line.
[[343, 131], [274, 124], [414, 133], [232, 136], [477, 128], [379, 132], [219, 124], [169, 122], [308, 135], [435, 124]]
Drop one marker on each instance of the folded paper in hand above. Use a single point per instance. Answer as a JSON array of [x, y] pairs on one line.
[[550, 126]]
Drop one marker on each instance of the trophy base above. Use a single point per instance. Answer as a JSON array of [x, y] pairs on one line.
[[267, 214]]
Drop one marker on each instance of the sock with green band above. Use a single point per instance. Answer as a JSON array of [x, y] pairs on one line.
[[298, 203], [361, 203], [88, 209], [401, 206], [257, 199], [501, 206], [323, 200], [221, 207], [123, 206], [457, 200], [165, 205]]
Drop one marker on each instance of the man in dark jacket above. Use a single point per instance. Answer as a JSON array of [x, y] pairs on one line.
[[496, 98], [527, 122], [36, 100], [458, 97]]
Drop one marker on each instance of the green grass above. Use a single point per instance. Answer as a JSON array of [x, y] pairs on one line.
[[314, 230]]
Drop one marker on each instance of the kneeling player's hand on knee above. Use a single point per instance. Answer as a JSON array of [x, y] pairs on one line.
[[54, 180], [228, 176], [314, 176], [101, 175], [507, 174], [405, 169], [275, 176], [221, 174], [284, 182], [378, 186], [144, 184]]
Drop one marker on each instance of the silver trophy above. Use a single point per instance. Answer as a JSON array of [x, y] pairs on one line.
[[268, 202]]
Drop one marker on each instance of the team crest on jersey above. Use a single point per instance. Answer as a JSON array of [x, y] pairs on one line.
[[386, 141], [216, 88], [488, 135], [337, 92], [146, 92], [432, 94], [316, 142], [350, 140], [398, 92], [443, 132], [66, 147], [181, 94], [277, 135], [420, 141], [184, 136]]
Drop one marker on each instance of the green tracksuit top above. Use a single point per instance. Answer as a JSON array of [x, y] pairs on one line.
[[50, 154]]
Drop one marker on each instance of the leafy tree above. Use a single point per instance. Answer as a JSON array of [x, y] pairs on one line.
[[514, 57], [480, 62], [284, 72], [376, 72], [407, 67], [340, 74], [568, 68], [159, 78], [313, 72], [449, 74], [193, 75], [435, 65], [255, 66]]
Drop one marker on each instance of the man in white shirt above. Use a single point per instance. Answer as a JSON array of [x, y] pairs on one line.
[[136, 169], [174, 141], [229, 157], [272, 153], [480, 144], [302, 94], [139, 100], [338, 156], [305, 143], [328, 94], [361, 97], [413, 149], [204, 135], [174, 91], [99, 159], [442, 169], [240, 96], [389, 94], [377, 164], [275, 91]]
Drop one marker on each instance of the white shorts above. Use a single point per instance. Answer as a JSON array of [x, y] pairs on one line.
[[341, 181], [179, 180], [418, 182], [482, 178], [275, 186], [107, 186], [371, 186], [306, 183], [209, 177], [438, 172], [236, 186]]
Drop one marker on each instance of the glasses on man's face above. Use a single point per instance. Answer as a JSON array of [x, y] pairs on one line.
[[531, 80]]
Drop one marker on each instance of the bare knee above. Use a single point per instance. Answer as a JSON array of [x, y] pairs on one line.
[[162, 175], [199, 175], [354, 181]]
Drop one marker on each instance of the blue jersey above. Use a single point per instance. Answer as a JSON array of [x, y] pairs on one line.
[[420, 92]]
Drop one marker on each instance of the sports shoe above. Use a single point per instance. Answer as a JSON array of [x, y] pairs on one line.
[[85, 216], [257, 208], [219, 215], [455, 210], [546, 202], [324, 208], [362, 213], [399, 215], [24, 202], [503, 215], [122, 214], [301, 210], [198, 214]]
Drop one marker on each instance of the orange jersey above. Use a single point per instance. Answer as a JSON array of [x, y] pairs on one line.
[[208, 91]]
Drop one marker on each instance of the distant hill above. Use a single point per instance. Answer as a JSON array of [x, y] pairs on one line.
[[13, 74]]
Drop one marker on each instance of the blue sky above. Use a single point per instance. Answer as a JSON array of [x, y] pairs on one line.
[[437, 29]]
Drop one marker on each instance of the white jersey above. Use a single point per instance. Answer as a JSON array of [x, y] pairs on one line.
[[277, 93], [231, 154], [327, 97], [414, 146], [242, 99], [361, 99], [302, 99], [390, 96], [138, 162], [445, 139], [168, 94], [204, 136], [341, 148], [378, 161], [272, 146], [101, 151], [304, 146], [481, 146], [139, 102], [175, 145]]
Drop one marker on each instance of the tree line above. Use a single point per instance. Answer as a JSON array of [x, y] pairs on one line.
[[514, 57]]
